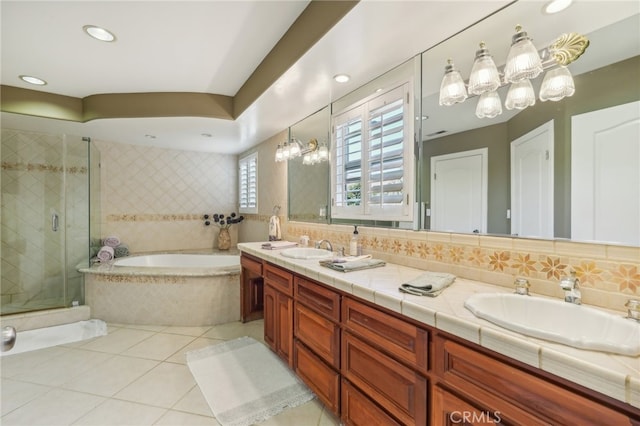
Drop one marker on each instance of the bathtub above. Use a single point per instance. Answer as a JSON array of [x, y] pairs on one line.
[[165, 290]]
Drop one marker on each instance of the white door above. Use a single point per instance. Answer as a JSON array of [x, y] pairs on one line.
[[605, 175], [532, 183], [459, 191]]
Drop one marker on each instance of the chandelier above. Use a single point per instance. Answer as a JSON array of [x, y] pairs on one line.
[[524, 63]]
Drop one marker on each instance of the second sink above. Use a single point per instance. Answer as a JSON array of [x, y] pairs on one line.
[[306, 253]]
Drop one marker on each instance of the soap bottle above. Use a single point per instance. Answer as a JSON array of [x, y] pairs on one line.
[[353, 244]]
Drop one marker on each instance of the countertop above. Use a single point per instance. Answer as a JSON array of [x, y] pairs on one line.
[[617, 376]]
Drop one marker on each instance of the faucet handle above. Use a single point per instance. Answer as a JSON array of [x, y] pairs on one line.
[[570, 282], [633, 309], [522, 286]]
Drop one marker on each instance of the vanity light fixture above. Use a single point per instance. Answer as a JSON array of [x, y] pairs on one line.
[[524, 63], [32, 80], [99, 33], [341, 78], [313, 153]]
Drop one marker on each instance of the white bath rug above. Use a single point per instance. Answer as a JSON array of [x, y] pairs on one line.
[[244, 382], [40, 338]]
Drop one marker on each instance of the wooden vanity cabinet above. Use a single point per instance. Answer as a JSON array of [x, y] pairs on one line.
[[278, 311], [251, 288], [317, 340]]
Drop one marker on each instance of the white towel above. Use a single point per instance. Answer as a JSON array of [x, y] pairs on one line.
[[111, 241], [274, 229], [106, 254]]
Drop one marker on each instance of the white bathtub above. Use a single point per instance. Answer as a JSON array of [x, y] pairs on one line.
[[179, 261]]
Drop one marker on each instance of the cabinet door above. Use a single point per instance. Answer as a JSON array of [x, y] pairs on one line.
[[270, 303], [399, 390], [318, 333], [278, 278], [448, 409], [323, 380], [284, 327], [317, 297], [358, 410]]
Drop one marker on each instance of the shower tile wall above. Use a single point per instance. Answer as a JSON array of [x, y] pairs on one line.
[[33, 182], [153, 199]]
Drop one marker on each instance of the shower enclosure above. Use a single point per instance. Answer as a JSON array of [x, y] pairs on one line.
[[45, 219]]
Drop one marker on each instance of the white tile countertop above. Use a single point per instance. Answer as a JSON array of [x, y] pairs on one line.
[[617, 376]]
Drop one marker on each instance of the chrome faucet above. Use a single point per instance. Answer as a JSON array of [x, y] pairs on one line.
[[329, 246], [571, 288]]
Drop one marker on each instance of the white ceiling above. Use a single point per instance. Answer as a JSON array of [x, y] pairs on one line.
[[175, 46]]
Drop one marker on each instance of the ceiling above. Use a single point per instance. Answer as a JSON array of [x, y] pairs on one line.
[[210, 47]]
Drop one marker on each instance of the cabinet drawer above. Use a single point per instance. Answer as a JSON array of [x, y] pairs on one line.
[[323, 381], [396, 388], [318, 333], [251, 264], [401, 339], [358, 410], [318, 298], [278, 278], [501, 387]]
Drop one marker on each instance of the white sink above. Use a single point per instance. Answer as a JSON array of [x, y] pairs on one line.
[[558, 321], [306, 253]]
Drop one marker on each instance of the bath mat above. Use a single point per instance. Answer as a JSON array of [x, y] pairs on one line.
[[41, 338], [244, 382]]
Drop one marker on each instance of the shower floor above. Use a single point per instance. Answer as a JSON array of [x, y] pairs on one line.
[[57, 335]]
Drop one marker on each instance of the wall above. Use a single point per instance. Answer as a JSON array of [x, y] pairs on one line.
[[154, 199]]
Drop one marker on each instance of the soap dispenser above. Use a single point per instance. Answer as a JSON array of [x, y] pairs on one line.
[[353, 244]]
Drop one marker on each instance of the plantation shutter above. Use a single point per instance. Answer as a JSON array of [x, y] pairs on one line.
[[348, 131], [248, 180]]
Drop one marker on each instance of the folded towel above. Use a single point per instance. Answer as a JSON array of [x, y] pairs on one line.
[[121, 251], [105, 254], [348, 259], [274, 245], [111, 241], [428, 284], [356, 265]]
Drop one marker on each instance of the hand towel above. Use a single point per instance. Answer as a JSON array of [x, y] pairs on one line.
[[428, 284], [274, 229], [273, 245], [105, 254], [348, 259], [356, 265], [111, 241], [121, 251]]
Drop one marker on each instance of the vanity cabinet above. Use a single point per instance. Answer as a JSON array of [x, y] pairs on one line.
[[251, 288], [278, 311], [317, 340]]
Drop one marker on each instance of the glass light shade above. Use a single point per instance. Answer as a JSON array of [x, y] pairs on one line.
[[323, 153], [484, 74], [557, 84], [286, 151], [523, 60], [294, 149], [306, 159], [452, 88], [315, 158], [279, 156], [520, 95], [489, 105]]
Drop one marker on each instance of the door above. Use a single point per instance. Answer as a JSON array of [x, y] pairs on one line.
[[605, 175], [459, 191], [532, 183]]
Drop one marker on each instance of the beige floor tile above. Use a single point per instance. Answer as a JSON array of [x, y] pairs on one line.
[[15, 394], [159, 346], [187, 331], [194, 402], [199, 343], [116, 412], [57, 407], [13, 365], [163, 386], [173, 418], [111, 376], [304, 415], [120, 340], [233, 330]]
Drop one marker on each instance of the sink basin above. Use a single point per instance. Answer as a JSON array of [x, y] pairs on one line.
[[306, 253], [558, 321]]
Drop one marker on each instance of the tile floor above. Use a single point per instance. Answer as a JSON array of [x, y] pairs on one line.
[[135, 375]]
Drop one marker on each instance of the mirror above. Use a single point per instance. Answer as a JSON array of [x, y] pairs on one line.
[[606, 75], [308, 184]]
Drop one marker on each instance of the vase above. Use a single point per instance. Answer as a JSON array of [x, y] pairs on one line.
[[224, 239]]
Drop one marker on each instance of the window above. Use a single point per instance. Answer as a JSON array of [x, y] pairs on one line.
[[248, 184], [372, 163]]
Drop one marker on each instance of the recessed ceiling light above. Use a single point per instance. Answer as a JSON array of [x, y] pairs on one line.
[[341, 78], [99, 33], [556, 6], [33, 80]]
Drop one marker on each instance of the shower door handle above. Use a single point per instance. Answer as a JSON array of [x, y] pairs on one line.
[[54, 222]]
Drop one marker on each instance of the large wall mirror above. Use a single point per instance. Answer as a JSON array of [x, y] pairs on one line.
[[308, 181], [546, 171]]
